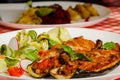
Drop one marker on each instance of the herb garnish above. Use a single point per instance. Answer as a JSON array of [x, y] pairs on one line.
[[108, 45], [74, 55]]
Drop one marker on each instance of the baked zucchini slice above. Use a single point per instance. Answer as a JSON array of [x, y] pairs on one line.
[[39, 69], [63, 72]]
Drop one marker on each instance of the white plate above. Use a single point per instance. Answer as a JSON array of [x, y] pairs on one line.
[[10, 13], [87, 33]]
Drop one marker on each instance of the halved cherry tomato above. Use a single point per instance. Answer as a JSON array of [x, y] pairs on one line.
[[15, 71]]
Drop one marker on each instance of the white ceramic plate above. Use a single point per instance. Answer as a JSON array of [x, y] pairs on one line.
[[87, 33], [11, 12]]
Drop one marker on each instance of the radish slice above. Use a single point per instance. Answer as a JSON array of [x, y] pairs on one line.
[[13, 44], [24, 63]]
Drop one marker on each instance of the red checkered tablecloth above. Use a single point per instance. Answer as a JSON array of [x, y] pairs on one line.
[[112, 23]]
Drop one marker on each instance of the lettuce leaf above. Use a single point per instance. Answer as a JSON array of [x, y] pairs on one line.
[[11, 61], [30, 54]]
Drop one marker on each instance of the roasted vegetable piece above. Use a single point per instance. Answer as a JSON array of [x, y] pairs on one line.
[[83, 11], [67, 68], [104, 61], [63, 72], [80, 73], [74, 15], [35, 72], [39, 68], [32, 73], [91, 9], [29, 17]]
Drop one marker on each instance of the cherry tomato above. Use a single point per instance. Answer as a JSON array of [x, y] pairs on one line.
[[15, 71]]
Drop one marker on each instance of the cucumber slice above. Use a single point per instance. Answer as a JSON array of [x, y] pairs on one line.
[[64, 34], [54, 34], [3, 65]]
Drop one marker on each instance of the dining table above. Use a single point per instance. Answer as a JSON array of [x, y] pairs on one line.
[[111, 24]]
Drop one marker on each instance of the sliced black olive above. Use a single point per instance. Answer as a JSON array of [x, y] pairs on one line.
[[61, 60], [98, 44], [64, 58]]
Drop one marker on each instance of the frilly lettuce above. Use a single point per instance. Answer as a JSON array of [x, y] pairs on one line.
[[23, 38], [11, 56], [11, 61], [44, 40], [7, 51], [31, 54]]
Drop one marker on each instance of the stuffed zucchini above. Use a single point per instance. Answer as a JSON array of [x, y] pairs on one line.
[[77, 58]]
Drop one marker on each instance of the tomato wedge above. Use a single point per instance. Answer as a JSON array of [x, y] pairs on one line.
[[15, 71]]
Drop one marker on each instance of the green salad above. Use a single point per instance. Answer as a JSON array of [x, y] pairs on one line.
[[27, 44]]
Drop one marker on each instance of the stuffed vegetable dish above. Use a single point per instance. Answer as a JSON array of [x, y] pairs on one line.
[[55, 54]]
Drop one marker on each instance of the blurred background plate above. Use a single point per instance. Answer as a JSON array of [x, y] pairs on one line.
[[11, 12]]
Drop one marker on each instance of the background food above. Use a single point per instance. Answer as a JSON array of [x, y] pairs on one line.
[[82, 11], [29, 17], [55, 14], [74, 15], [91, 9]]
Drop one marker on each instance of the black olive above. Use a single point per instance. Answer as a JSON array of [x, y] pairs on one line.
[[61, 60], [64, 58], [98, 44]]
